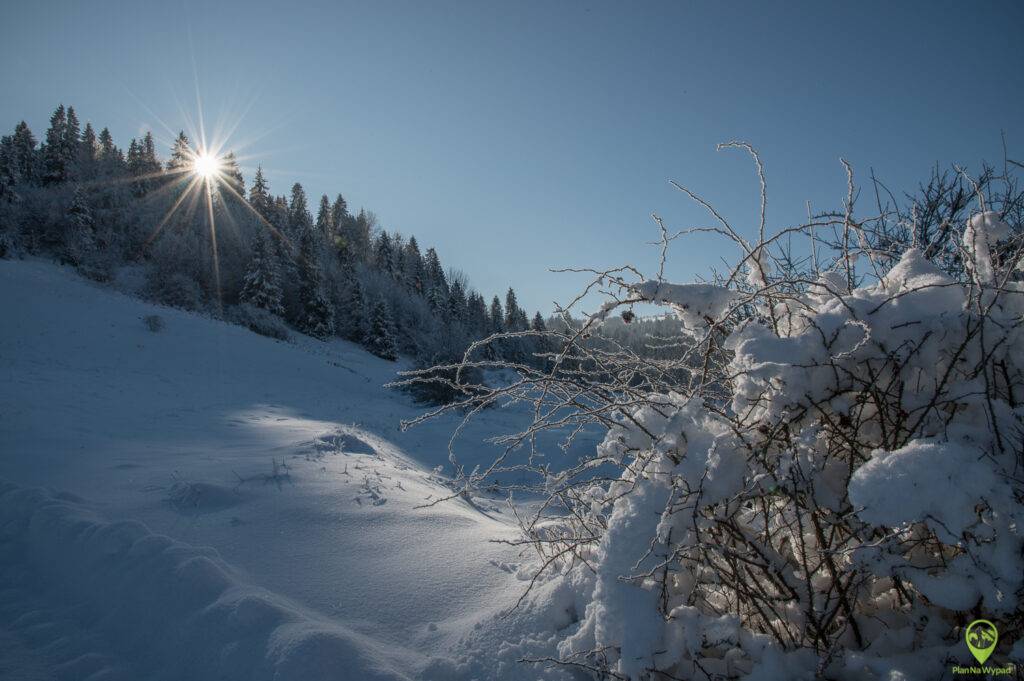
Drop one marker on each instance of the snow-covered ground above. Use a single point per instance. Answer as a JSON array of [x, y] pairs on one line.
[[220, 505]]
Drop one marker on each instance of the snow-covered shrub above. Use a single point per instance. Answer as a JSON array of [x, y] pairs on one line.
[[835, 493], [259, 320], [175, 289], [174, 272]]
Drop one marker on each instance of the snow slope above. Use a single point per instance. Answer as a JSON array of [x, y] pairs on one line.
[[220, 505]]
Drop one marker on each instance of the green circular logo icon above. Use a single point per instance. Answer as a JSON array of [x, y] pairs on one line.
[[981, 637]]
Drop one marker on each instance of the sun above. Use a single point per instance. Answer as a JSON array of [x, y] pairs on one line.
[[206, 165]]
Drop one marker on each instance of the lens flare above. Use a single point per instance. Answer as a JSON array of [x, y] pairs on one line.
[[206, 165], [204, 176]]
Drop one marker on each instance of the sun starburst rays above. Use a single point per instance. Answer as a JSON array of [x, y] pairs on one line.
[[201, 183], [200, 178], [206, 166]]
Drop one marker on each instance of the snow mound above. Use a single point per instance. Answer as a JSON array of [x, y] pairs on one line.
[[202, 497], [153, 597]]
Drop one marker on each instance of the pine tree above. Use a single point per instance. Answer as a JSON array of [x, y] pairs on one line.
[[497, 317], [286, 247], [136, 167], [513, 315], [339, 214], [299, 219], [413, 261], [398, 258], [110, 161], [540, 343], [106, 143], [134, 158], [522, 321], [354, 321], [54, 160], [71, 144], [476, 316], [357, 237], [434, 272], [181, 155], [143, 164], [438, 301], [325, 220], [20, 157], [317, 316], [259, 195], [262, 285], [456, 302], [383, 253], [25, 153], [353, 244], [88, 153], [79, 232], [231, 175], [150, 162], [380, 340]]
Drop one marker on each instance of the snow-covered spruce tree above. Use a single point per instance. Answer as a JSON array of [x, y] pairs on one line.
[[88, 154], [380, 340], [55, 159], [834, 492], [414, 274], [18, 157], [339, 215], [434, 274], [259, 196], [79, 247], [353, 322], [231, 176], [262, 284], [299, 219], [70, 144], [180, 161], [316, 315], [109, 160]]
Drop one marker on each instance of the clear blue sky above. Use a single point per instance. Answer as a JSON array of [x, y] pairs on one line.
[[516, 137]]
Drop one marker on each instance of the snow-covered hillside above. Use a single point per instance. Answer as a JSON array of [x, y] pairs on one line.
[[220, 505]]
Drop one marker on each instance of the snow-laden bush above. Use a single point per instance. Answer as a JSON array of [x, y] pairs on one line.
[[174, 272], [836, 493], [858, 499], [258, 320], [175, 289]]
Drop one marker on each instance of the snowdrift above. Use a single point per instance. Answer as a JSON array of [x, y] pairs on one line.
[[177, 611], [284, 458]]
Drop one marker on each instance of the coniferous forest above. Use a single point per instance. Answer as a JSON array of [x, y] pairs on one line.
[[274, 262]]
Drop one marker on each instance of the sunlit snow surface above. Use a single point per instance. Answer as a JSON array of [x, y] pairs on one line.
[[283, 460]]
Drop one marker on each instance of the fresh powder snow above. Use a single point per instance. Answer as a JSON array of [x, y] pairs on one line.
[[202, 502]]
